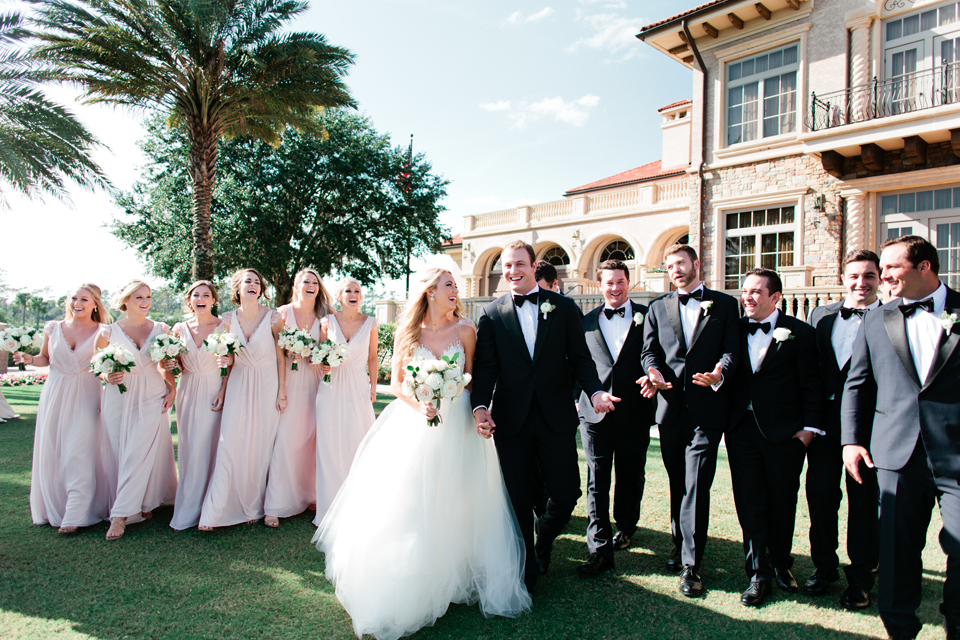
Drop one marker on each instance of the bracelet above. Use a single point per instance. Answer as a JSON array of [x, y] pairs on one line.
[[283, 398]]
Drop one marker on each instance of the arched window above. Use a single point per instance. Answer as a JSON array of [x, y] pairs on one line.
[[556, 256], [494, 275], [617, 250], [684, 239]]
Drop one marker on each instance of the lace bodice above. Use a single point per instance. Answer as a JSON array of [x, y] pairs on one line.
[[423, 352]]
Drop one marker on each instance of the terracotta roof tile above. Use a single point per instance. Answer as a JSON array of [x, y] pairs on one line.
[[646, 172], [452, 242], [675, 104]]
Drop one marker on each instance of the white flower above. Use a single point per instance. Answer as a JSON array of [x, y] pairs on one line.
[[156, 354], [298, 346], [424, 393], [222, 349], [638, 318], [106, 366], [333, 361], [26, 340], [434, 381], [705, 306], [124, 357], [948, 320], [10, 344], [546, 308], [451, 373], [407, 387], [780, 334], [173, 350], [37, 340], [467, 378], [449, 389], [229, 338]]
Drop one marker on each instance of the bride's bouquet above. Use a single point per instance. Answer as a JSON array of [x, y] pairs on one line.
[[221, 343], [15, 339], [330, 353], [167, 346], [113, 359], [298, 342], [435, 380]]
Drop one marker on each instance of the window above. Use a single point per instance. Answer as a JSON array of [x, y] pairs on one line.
[[556, 256], [617, 250], [494, 275], [761, 237], [932, 213], [762, 95]]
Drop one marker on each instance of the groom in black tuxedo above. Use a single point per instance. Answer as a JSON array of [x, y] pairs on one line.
[[614, 333], [901, 413], [521, 391], [691, 349]]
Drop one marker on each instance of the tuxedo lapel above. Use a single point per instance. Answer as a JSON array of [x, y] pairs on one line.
[[745, 346], [543, 326], [508, 313], [948, 341], [702, 319], [594, 332], [673, 312], [635, 332], [774, 347], [825, 339], [896, 326]]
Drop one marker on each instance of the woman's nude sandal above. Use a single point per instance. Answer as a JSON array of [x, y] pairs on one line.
[[272, 521], [118, 527], [204, 527], [67, 530]]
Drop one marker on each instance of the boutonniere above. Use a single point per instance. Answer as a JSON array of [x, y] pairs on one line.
[[705, 306], [781, 335], [638, 318], [546, 308], [947, 320]]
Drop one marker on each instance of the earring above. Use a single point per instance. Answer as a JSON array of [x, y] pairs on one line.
[[432, 297]]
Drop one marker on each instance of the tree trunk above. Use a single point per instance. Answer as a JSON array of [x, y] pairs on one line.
[[203, 170]]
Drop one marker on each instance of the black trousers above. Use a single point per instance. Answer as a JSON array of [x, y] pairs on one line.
[[824, 471], [613, 445], [689, 455], [538, 446], [766, 481], [907, 498]]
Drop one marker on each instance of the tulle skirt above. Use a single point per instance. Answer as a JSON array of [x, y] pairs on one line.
[[423, 520]]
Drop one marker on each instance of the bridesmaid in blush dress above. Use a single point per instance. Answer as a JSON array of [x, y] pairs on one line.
[[200, 395], [345, 404], [6, 411], [68, 486], [138, 448], [256, 395], [291, 482]]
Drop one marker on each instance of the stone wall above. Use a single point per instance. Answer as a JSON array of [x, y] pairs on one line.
[[939, 154]]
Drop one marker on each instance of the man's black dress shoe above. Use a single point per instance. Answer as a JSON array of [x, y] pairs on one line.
[[543, 551], [674, 563], [596, 565], [691, 585], [621, 541], [755, 594], [854, 599], [786, 581], [820, 581]]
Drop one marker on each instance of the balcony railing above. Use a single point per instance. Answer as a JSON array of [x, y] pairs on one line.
[[884, 98]]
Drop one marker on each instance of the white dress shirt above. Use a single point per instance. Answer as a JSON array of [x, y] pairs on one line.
[[615, 329], [759, 342], [923, 332], [845, 333], [689, 314], [527, 315]]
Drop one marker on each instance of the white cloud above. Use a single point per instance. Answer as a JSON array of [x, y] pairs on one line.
[[574, 112], [611, 33], [517, 17], [607, 4]]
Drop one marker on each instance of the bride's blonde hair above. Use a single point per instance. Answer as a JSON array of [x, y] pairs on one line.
[[408, 327]]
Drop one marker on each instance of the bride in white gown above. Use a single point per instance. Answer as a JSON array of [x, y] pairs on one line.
[[423, 519]]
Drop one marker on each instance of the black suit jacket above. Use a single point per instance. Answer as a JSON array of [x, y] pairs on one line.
[[886, 408], [506, 379], [715, 339], [786, 391], [621, 374]]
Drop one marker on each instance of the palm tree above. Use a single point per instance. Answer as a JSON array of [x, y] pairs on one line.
[[22, 300], [39, 306], [42, 145], [218, 68]]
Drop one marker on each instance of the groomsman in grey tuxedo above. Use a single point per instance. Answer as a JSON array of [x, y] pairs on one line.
[[690, 352], [901, 413], [618, 439], [837, 326]]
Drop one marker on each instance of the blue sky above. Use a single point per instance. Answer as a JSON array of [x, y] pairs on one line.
[[512, 102]]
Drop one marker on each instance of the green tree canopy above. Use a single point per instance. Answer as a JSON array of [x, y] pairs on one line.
[[337, 204], [217, 68]]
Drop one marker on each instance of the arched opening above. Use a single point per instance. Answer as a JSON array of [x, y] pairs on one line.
[[559, 258], [494, 275]]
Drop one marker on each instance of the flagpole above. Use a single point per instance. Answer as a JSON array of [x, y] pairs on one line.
[[406, 198]]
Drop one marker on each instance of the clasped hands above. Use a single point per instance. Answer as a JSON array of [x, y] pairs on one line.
[[603, 402], [653, 381]]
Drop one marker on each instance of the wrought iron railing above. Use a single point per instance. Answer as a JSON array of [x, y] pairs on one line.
[[884, 98]]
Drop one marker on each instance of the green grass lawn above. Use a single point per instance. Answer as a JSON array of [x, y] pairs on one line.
[[250, 581]]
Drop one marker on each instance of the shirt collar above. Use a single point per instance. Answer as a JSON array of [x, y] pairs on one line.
[[772, 318], [697, 288], [625, 305], [939, 299], [873, 305], [536, 288]]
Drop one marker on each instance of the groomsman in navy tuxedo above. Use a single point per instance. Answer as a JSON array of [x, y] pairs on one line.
[[618, 439], [836, 327], [690, 348], [901, 413], [774, 415]]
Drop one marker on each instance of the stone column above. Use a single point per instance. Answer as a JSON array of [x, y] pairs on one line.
[[856, 220], [860, 106]]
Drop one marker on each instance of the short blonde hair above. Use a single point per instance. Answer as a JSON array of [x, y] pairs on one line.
[[119, 301], [342, 287], [237, 279], [100, 313], [190, 290]]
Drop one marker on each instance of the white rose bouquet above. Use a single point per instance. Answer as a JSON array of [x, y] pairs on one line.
[[167, 346], [330, 353], [222, 344], [15, 339], [434, 381], [112, 359], [298, 342]]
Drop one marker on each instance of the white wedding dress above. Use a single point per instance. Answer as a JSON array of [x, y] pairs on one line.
[[423, 520]]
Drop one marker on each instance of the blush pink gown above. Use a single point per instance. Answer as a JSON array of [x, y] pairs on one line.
[[248, 429], [68, 486], [198, 428], [344, 414], [292, 480]]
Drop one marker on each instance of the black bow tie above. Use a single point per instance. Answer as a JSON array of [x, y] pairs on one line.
[[530, 297], [762, 326], [685, 297], [846, 312], [909, 309], [610, 312]]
